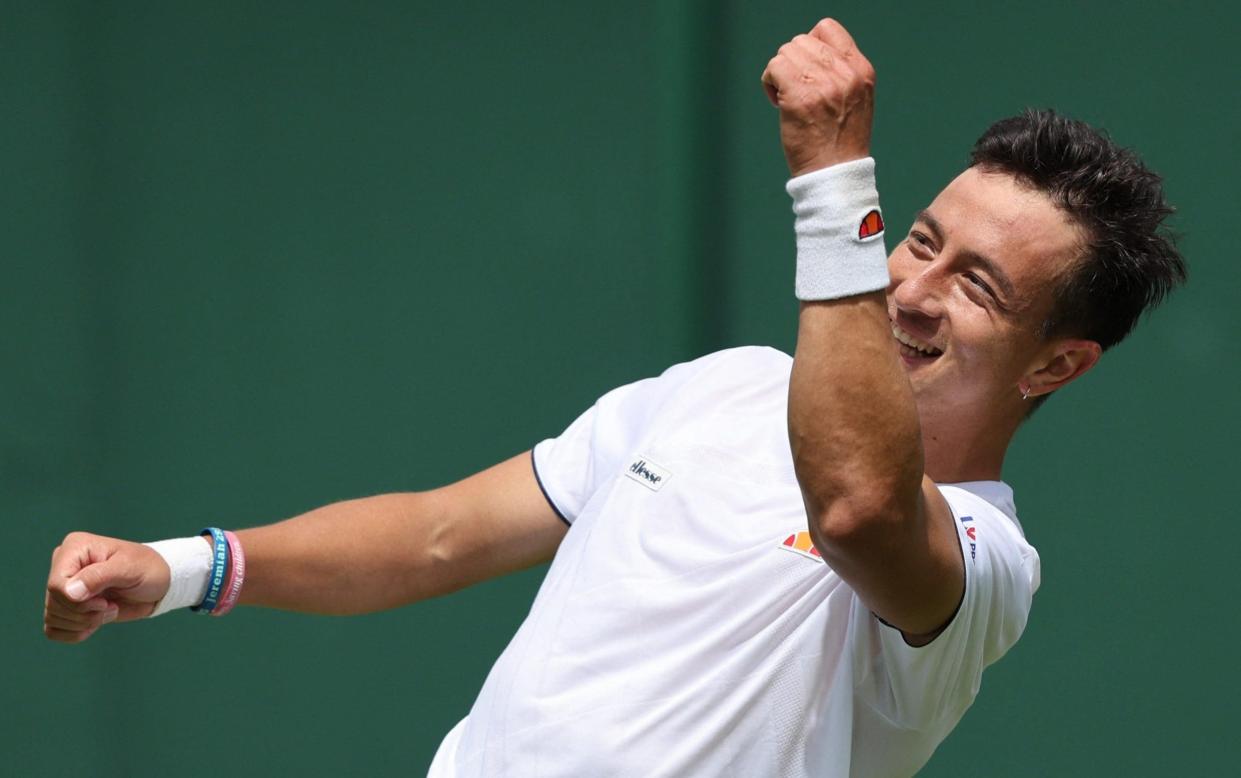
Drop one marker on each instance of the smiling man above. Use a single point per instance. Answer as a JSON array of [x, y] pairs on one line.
[[971, 327], [760, 565]]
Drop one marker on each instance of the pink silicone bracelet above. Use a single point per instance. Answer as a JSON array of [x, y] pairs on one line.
[[237, 576]]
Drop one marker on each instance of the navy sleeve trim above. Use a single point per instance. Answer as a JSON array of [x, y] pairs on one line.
[[543, 489]]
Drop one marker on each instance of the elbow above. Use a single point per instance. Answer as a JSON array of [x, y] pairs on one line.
[[857, 501], [436, 568], [863, 516], [848, 522]]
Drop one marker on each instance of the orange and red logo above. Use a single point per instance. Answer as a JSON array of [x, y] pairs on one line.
[[800, 543], [872, 225]]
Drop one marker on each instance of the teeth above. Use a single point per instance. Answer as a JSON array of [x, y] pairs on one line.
[[908, 340]]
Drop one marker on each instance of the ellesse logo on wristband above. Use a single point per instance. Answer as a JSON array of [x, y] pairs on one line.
[[871, 226]]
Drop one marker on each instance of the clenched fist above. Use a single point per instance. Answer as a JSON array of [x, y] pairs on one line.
[[95, 580], [825, 90]]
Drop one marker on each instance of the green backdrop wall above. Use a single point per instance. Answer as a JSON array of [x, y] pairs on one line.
[[259, 257]]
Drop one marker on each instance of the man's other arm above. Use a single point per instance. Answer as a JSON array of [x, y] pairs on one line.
[[853, 425], [349, 557]]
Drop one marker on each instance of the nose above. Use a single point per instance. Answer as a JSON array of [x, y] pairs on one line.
[[917, 289]]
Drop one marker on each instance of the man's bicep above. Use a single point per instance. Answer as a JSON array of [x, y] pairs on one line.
[[945, 568], [498, 521], [911, 575]]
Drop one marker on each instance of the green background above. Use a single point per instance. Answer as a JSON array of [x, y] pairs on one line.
[[259, 257]]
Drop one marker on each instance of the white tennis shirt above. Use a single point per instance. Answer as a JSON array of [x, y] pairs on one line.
[[687, 627]]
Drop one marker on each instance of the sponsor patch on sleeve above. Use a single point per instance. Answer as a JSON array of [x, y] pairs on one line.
[[650, 474]]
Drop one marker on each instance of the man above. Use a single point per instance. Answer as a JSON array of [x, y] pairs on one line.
[[758, 568]]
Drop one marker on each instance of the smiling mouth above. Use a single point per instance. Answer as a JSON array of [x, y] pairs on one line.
[[911, 347]]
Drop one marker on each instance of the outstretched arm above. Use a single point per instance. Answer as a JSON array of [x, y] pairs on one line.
[[853, 425], [349, 557]]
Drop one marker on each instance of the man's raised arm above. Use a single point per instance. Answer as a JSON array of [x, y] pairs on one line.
[[349, 557], [853, 424]]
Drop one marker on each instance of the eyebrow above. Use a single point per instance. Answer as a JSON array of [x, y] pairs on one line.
[[973, 257]]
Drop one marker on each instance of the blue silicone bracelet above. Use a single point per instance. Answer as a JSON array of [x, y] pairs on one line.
[[219, 566]]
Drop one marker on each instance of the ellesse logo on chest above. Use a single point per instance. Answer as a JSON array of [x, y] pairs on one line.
[[650, 474], [800, 543]]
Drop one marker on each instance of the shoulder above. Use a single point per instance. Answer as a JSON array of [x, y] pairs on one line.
[[1002, 568], [985, 509], [749, 381], [712, 377], [932, 685], [739, 360], [733, 366]]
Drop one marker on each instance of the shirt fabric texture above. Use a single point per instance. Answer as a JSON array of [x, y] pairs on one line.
[[686, 626]]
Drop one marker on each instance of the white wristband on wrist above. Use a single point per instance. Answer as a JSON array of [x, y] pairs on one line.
[[189, 560], [839, 231]]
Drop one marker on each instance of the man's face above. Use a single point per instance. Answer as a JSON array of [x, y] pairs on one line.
[[971, 284]]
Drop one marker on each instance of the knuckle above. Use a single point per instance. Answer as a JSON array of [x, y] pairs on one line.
[[64, 609], [69, 635]]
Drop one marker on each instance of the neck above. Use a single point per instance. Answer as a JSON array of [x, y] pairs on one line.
[[965, 447]]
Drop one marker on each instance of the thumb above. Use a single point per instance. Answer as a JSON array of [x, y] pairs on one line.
[[98, 577]]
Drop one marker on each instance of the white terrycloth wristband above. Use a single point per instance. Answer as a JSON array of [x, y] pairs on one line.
[[189, 559], [839, 230]]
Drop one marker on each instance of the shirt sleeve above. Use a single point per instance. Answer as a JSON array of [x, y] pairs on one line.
[[930, 687], [571, 467]]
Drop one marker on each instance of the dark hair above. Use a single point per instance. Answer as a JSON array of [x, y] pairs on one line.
[[1131, 262]]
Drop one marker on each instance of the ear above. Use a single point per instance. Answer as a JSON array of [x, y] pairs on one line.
[[1068, 360]]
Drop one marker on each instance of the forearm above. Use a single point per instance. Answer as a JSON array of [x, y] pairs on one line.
[[354, 556], [853, 425], [383, 552], [349, 557]]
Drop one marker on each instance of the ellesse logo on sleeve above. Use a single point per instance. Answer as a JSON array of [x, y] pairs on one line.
[[648, 473]]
